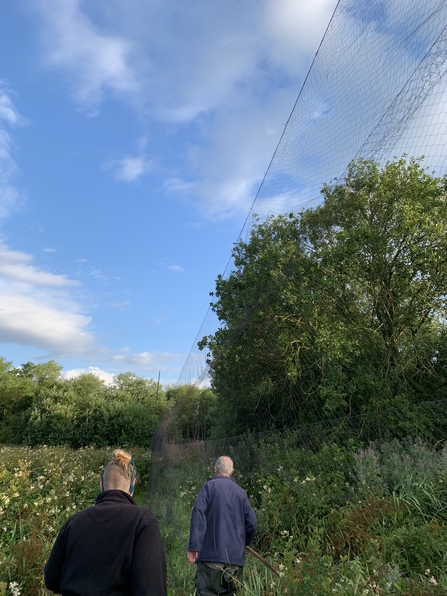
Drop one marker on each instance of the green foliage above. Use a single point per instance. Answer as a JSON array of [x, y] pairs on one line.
[[338, 311], [16, 395], [370, 522], [322, 536], [410, 471], [296, 488], [39, 407], [83, 411], [44, 375], [191, 412], [40, 489], [322, 527]]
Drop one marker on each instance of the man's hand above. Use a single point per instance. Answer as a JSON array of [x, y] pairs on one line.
[[192, 555]]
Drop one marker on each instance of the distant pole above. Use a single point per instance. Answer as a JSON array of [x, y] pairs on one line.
[[156, 400], [152, 479]]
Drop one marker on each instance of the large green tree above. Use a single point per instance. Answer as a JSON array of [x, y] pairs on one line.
[[338, 310]]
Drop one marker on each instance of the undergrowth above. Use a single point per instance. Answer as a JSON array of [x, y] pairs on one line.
[[343, 521]]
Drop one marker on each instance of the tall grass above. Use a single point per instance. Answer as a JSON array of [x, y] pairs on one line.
[[374, 524]]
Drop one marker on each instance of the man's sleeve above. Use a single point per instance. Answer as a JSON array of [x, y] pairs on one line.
[[53, 567], [251, 523], [198, 520], [148, 571]]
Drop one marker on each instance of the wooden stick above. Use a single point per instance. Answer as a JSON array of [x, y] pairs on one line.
[[261, 558]]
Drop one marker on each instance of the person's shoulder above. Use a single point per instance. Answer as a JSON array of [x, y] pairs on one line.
[[78, 516], [229, 482], [144, 516], [142, 511]]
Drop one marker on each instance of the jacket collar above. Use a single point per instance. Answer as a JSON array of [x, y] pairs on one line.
[[219, 476], [114, 496]]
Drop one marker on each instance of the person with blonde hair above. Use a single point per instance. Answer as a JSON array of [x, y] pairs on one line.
[[112, 548], [223, 523]]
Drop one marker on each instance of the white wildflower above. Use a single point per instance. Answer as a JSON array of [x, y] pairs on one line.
[[14, 587]]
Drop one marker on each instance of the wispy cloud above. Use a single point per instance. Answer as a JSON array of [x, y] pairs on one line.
[[130, 169], [149, 361], [36, 308], [98, 274], [96, 61], [120, 304], [8, 111], [10, 196], [175, 268], [294, 29], [178, 185]]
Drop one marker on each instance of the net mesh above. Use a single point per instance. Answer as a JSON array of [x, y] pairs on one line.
[[376, 89]]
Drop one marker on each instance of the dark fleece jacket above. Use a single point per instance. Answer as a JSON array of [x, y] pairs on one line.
[[111, 549]]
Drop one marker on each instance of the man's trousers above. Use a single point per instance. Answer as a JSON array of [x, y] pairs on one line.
[[218, 579]]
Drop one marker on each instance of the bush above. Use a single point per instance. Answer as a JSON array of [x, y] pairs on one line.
[[83, 411]]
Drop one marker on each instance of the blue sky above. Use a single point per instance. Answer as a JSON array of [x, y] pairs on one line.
[[133, 137]]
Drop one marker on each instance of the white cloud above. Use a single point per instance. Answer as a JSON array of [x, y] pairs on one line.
[[295, 29], [105, 376], [98, 274], [49, 250], [36, 309], [16, 266], [34, 321], [10, 197], [182, 59], [175, 268], [130, 169], [232, 68], [96, 61]]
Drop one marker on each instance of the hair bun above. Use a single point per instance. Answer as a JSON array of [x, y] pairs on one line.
[[122, 456]]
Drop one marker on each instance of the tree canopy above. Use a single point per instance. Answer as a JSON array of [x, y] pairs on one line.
[[38, 406], [337, 310]]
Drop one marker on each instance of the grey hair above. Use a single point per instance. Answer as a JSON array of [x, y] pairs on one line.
[[224, 465]]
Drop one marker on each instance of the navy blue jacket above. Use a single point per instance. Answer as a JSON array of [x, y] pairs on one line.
[[222, 522], [111, 549]]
